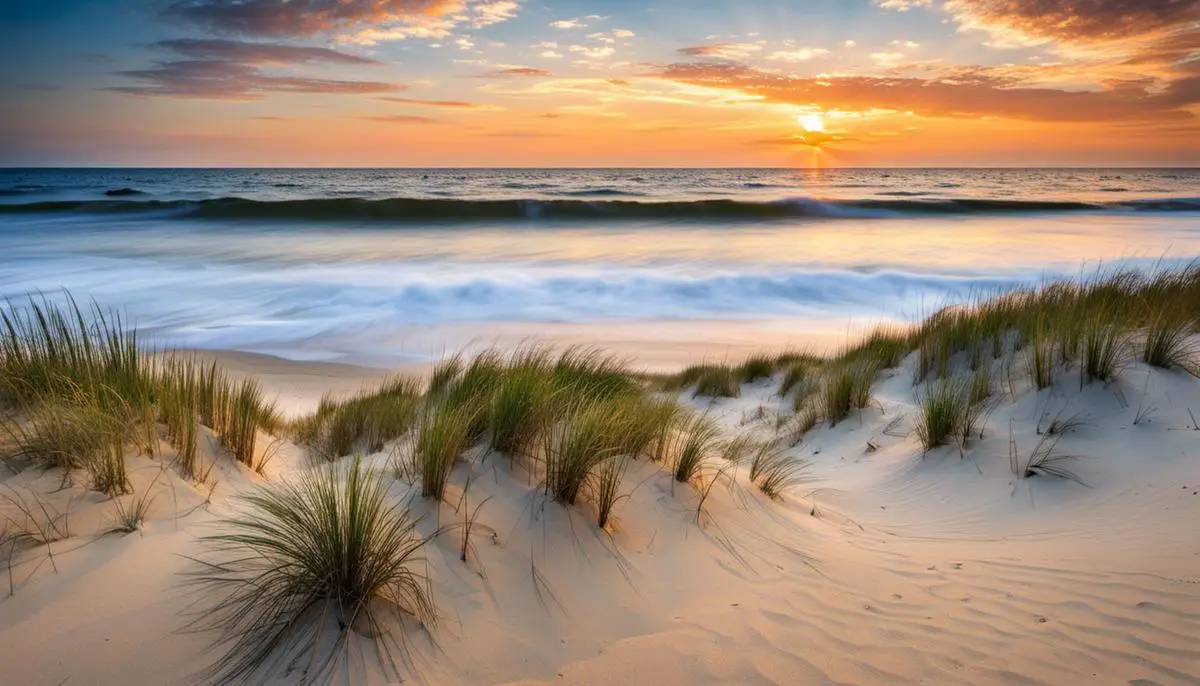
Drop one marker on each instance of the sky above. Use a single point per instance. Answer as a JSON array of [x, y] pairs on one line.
[[600, 83]]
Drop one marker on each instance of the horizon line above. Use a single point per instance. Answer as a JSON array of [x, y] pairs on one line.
[[584, 167]]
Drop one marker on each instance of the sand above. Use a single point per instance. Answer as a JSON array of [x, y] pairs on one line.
[[886, 567]]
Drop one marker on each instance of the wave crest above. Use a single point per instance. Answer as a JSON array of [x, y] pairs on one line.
[[453, 210]]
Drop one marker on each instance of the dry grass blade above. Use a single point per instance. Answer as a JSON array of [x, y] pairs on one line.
[[1045, 459]]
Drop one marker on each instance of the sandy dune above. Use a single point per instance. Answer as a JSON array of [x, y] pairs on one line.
[[886, 567]]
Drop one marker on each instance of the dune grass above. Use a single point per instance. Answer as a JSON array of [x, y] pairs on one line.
[[1104, 350], [131, 514], [608, 477], [699, 438], [1045, 459], [662, 417], [754, 368], [189, 391], [576, 443], [773, 471], [517, 409], [364, 422], [91, 394], [942, 406], [951, 409], [48, 349], [795, 374], [707, 380], [846, 386], [1168, 343], [443, 433], [305, 567], [1085, 321]]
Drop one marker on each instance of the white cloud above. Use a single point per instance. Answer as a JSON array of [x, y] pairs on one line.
[[568, 24], [903, 5], [800, 55], [464, 42], [849, 44], [907, 44], [594, 52], [887, 57], [623, 33], [551, 55], [494, 12]]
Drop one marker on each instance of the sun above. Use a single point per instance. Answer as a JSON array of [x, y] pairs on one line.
[[811, 123]]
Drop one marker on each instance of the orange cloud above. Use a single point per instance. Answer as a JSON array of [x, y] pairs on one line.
[[451, 104], [513, 71], [374, 20], [977, 92], [305, 17], [1077, 20]]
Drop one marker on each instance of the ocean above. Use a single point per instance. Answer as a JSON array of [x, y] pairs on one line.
[[387, 266]]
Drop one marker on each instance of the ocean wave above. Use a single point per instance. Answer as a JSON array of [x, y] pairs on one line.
[[121, 192], [229, 305], [597, 193], [454, 210]]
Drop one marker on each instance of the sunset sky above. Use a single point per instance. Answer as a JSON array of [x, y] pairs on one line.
[[600, 82]]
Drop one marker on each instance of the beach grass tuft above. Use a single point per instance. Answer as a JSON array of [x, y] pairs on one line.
[[305, 569], [754, 368], [1168, 343], [443, 433], [698, 439], [773, 471]]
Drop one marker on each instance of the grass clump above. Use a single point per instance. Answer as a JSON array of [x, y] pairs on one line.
[[951, 409], [574, 445], [365, 422], [773, 471], [1168, 343], [698, 438], [1040, 359], [1103, 350], [443, 434], [235, 410], [941, 410], [60, 350], [588, 446], [795, 374], [846, 386], [132, 515], [754, 368], [306, 567], [707, 380], [517, 408], [608, 477]]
